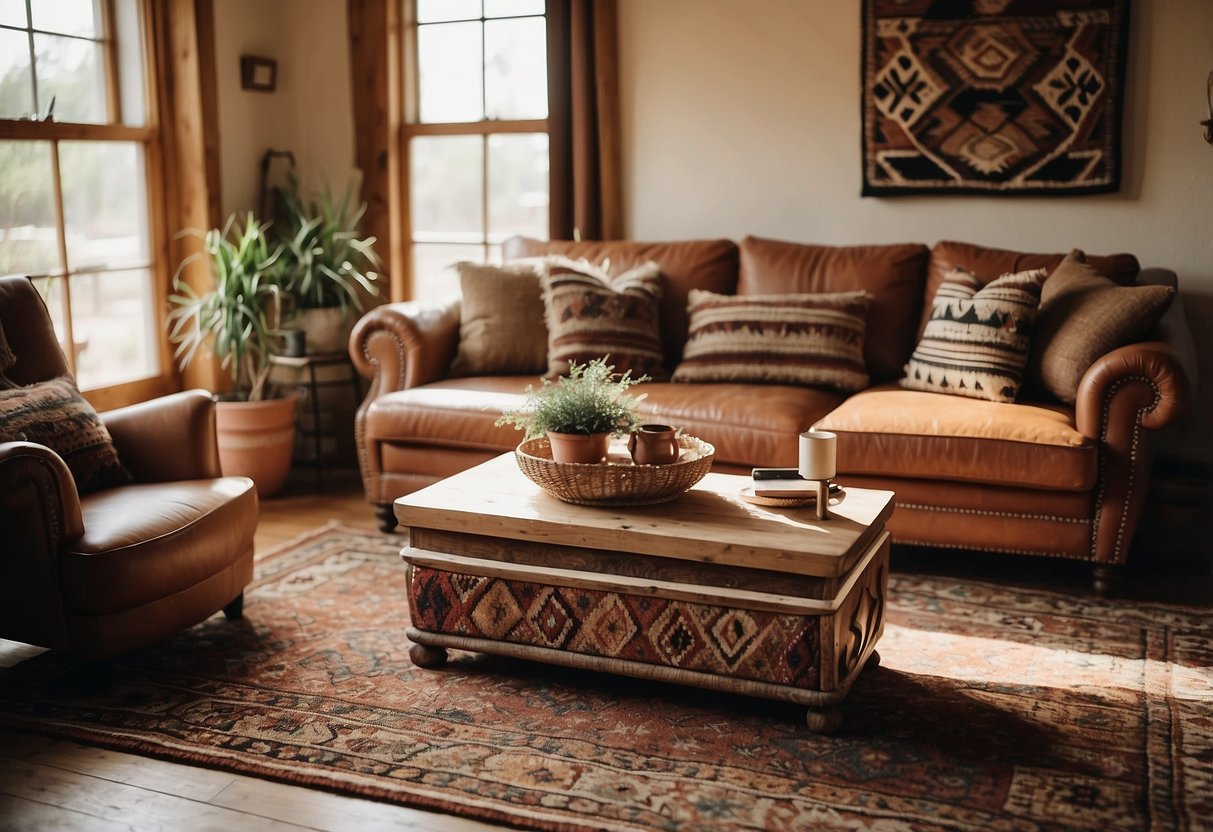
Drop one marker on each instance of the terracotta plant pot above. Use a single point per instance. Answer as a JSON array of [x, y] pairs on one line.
[[579, 447], [256, 440]]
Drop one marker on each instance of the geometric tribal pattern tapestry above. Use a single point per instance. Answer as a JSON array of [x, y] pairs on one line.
[[992, 96]]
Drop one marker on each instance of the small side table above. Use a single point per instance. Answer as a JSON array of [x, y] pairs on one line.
[[309, 378]]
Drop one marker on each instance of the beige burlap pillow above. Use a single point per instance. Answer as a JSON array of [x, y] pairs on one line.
[[591, 315], [1084, 315], [811, 339], [977, 340], [501, 324]]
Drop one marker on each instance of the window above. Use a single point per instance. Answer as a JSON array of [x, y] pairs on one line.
[[75, 144], [477, 136]]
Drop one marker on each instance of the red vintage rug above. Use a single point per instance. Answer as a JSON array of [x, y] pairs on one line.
[[994, 708]]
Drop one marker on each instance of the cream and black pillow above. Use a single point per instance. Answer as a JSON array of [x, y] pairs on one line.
[[591, 315], [810, 339], [977, 339], [1084, 315], [501, 324]]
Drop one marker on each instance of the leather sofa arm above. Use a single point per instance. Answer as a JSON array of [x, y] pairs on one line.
[[403, 345], [166, 439]]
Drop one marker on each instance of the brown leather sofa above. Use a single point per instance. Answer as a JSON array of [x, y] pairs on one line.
[[1029, 477], [111, 570]]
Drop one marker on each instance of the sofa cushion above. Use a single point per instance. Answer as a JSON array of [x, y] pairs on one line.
[[888, 431], [893, 275], [989, 263], [501, 323], [788, 339], [685, 265], [1084, 315], [591, 316], [976, 343], [54, 414]]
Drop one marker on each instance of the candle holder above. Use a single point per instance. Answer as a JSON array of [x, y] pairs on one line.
[[818, 463]]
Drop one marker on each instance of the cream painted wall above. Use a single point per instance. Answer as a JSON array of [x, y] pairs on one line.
[[743, 118], [310, 113]]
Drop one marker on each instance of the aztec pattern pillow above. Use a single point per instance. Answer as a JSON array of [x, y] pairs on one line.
[[501, 325], [54, 414], [812, 339], [591, 315], [1084, 315], [977, 339]]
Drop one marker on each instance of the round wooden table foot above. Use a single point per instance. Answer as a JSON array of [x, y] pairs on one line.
[[823, 720], [423, 655]]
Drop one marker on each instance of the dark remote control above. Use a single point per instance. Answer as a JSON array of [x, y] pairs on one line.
[[775, 474]]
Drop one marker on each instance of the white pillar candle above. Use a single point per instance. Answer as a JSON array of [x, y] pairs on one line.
[[818, 455]]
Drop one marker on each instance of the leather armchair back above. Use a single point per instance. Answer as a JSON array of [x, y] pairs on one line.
[[29, 331]]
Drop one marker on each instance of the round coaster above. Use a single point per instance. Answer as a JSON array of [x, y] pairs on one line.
[[747, 495]]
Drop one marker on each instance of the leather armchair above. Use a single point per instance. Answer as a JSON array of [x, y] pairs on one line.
[[109, 571]]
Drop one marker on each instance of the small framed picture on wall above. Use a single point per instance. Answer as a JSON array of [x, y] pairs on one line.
[[257, 73]]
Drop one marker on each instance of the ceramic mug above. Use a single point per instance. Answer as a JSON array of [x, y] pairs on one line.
[[654, 445]]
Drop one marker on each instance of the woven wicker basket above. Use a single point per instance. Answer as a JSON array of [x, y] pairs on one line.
[[614, 484]]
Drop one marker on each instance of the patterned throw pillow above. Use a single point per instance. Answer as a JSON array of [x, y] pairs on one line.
[[54, 414], [591, 315], [813, 339], [1084, 315], [977, 339], [501, 327]]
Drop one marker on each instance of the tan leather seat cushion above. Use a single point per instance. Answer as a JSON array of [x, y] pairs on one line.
[[749, 424], [892, 432], [892, 274], [144, 542]]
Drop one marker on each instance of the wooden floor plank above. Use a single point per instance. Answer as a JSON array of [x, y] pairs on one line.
[[17, 813], [178, 779]]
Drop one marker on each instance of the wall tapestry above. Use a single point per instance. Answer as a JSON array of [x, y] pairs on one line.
[[992, 96]]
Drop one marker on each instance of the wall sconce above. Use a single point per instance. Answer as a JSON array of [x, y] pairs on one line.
[[1208, 123]]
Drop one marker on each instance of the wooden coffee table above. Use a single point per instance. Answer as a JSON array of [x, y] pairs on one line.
[[707, 590]]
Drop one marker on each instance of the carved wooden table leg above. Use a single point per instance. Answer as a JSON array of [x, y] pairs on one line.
[[423, 655], [823, 720]]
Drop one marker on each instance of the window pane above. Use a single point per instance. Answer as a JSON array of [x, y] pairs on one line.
[[73, 72], [12, 13], [51, 289], [433, 11], [68, 17], [510, 8], [448, 58], [433, 277], [128, 32], [105, 204], [29, 239], [515, 68], [518, 185], [446, 184], [113, 319], [16, 78]]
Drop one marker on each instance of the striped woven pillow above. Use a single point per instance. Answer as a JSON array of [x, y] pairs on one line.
[[780, 339], [590, 315], [977, 340]]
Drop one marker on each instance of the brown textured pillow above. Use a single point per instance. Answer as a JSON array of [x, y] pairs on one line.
[[54, 414], [591, 316], [977, 339], [1084, 315], [812, 339], [501, 326]]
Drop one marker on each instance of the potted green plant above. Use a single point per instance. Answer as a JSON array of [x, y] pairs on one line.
[[328, 267], [579, 412], [235, 319]]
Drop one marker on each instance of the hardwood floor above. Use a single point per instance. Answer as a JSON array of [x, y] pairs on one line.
[[48, 784]]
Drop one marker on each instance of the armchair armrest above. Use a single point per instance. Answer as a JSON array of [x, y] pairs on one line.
[[403, 345], [169, 438]]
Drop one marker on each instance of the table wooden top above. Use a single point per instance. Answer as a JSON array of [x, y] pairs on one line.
[[710, 523]]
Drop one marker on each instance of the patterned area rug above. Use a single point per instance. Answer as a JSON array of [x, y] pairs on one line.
[[992, 96], [993, 709]]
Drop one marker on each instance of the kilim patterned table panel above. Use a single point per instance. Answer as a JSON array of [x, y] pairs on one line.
[[738, 643]]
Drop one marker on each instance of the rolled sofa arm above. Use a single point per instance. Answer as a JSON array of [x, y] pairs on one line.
[[403, 345], [1146, 385], [166, 439]]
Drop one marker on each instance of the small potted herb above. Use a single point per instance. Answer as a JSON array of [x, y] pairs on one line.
[[579, 412]]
